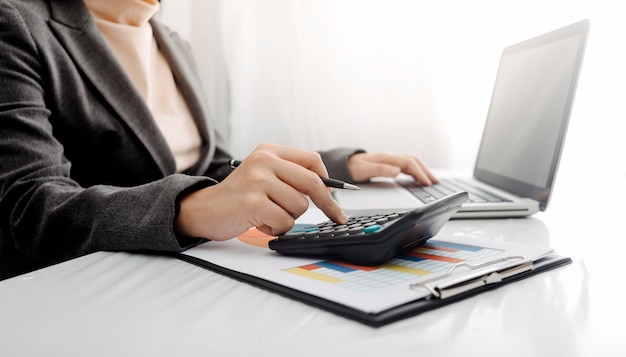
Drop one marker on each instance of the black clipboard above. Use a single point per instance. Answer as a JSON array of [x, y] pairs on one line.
[[388, 316]]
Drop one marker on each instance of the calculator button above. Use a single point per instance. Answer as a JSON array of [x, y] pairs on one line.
[[312, 234], [326, 233], [381, 220], [340, 231], [356, 230], [371, 229], [292, 235]]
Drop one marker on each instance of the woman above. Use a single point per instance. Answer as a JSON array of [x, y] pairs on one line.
[[107, 143]]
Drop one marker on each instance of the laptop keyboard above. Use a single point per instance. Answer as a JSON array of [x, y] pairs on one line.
[[446, 187]]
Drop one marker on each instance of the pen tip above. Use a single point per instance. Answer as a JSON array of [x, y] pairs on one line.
[[351, 186]]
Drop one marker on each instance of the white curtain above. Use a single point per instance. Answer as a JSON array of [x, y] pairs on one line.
[[412, 76], [321, 74]]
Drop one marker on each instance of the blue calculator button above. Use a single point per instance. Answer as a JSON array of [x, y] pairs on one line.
[[371, 229]]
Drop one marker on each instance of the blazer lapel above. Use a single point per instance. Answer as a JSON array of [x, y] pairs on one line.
[[81, 38], [190, 88]]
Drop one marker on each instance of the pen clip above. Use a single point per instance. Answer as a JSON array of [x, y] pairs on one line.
[[234, 163]]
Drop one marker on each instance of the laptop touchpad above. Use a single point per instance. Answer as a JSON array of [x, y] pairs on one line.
[[378, 196]]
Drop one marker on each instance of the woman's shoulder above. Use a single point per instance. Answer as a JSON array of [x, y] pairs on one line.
[[26, 8], [27, 12]]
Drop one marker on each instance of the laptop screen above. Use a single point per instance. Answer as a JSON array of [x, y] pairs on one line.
[[529, 112]]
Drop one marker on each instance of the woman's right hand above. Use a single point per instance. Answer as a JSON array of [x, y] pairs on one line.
[[268, 191]]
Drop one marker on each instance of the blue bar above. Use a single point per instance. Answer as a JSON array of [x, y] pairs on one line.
[[411, 258], [333, 266], [470, 248]]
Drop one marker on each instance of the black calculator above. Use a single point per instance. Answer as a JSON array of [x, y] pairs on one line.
[[370, 239]]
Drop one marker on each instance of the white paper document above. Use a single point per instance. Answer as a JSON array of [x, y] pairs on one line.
[[443, 259]]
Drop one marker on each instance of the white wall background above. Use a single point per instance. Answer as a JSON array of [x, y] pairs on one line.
[[405, 75]]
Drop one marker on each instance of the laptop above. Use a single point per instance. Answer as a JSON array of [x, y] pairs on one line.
[[522, 140]]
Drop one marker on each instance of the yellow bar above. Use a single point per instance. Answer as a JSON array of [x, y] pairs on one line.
[[314, 275], [406, 269]]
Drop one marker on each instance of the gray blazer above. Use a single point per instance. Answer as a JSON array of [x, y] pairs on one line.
[[83, 166]]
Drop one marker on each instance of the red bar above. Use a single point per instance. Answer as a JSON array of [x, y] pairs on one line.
[[309, 267], [436, 257], [443, 249]]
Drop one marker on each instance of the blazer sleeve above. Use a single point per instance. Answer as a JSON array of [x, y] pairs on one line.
[[336, 161]]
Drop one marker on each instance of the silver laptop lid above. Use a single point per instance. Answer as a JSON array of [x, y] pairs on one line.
[[529, 112]]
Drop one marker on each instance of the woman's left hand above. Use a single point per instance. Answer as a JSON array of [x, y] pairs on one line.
[[364, 166]]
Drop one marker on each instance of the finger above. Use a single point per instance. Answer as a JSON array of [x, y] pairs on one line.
[[288, 198], [380, 169], [310, 160], [273, 219], [330, 207], [310, 184], [282, 181], [300, 169], [409, 165], [422, 173]]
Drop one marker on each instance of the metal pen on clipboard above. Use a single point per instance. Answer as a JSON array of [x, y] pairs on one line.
[[465, 283]]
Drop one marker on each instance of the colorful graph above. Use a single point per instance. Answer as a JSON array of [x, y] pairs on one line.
[[433, 257]]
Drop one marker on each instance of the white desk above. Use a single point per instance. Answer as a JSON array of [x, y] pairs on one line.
[[121, 304]]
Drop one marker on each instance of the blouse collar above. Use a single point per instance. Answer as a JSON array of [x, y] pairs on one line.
[[124, 12]]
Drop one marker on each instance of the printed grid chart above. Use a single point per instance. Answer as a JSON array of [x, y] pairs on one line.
[[431, 258]]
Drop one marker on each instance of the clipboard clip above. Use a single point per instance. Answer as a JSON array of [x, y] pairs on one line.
[[465, 283]]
